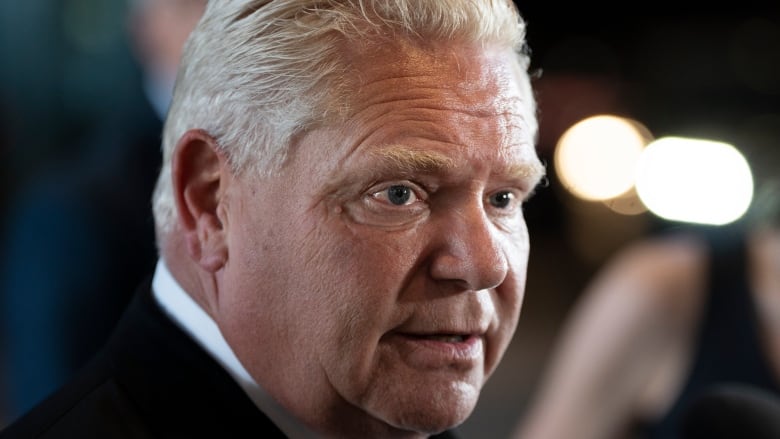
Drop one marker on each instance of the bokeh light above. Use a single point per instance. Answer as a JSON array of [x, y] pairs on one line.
[[694, 180], [596, 158]]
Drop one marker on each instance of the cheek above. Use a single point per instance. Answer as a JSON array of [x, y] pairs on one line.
[[320, 275], [518, 270], [517, 253], [508, 299], [360, 277]]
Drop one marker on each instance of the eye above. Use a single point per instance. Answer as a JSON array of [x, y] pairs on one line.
[[502, 199], [397, 195]]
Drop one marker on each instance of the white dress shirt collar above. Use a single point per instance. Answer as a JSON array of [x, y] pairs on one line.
[[187, 314]]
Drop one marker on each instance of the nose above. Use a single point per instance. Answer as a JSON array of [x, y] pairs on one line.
[[471, 253]]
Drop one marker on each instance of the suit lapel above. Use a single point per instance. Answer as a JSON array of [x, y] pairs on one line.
[[177, 386]]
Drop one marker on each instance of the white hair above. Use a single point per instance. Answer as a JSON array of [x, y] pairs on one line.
[[255, 73]]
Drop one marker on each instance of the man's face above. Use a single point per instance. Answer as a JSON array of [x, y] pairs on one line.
[[374, 284]]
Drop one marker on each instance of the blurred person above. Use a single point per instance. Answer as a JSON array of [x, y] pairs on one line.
[[343, 251], [159, 29], [670, 318], [79, 235]]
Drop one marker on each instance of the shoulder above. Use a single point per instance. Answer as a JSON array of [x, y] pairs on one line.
[[667, 254], [92, 405], [665, 268], [653, 280]]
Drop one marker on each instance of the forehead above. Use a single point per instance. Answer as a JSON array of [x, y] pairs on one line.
[[465, 77], [442, 97]]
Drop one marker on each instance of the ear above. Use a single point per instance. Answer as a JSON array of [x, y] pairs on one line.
[[201, 175]]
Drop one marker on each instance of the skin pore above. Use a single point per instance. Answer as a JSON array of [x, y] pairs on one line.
[[384, 266]]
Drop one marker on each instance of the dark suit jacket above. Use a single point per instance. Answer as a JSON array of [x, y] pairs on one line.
[[150, 381]]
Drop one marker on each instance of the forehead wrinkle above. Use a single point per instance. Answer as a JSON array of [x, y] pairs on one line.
[[519, 161], [441, 98]]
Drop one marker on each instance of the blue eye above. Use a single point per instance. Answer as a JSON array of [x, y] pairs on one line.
[[502, 199], [399, 195]]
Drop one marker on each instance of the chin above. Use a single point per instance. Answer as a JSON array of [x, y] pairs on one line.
[[429, 423], [432, 414]]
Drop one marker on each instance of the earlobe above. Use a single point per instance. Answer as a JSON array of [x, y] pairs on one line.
[[200, 178]]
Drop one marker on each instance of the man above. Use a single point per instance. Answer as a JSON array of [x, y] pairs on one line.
[[339, 217]]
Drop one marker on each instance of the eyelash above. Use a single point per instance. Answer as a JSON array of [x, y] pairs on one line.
[[414, 190], [383, 194], [513, 206]]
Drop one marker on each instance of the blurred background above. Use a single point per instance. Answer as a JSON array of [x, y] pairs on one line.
[[84, 88], [67, 67], [664, 73], [618, 90]]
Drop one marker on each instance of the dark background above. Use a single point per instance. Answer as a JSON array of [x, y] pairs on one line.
[[709, 72]]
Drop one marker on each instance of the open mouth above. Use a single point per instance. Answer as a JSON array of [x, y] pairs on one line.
[[445, 338], [439, 350]]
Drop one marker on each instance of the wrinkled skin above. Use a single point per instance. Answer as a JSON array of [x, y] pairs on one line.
[[373, 285]]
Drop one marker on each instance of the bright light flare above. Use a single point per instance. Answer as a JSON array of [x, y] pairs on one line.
[[695, 181], [596, 158]]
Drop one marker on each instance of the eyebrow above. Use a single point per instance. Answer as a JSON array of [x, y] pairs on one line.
[[410, 161], [407, 160], [530, 170]]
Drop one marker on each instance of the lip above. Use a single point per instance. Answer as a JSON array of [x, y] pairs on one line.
[[438, 351]]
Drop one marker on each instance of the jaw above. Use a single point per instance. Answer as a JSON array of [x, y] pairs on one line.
[[412, 396]]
